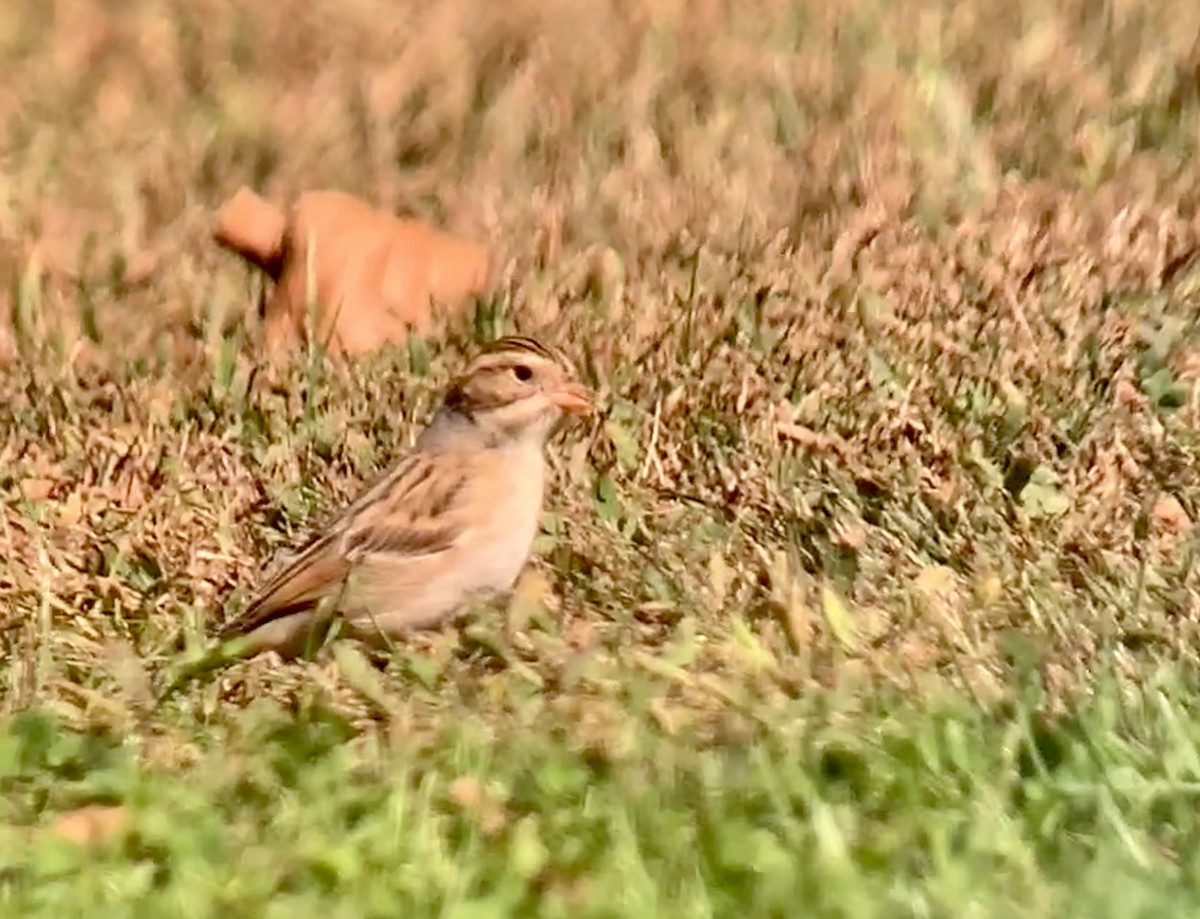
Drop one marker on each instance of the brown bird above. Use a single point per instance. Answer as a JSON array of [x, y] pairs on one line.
[[453, 520]]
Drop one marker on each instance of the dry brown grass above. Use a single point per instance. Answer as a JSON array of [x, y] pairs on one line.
[[894, 298]]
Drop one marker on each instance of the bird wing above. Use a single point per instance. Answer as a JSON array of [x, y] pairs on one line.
[[416, 510], [299, 586]]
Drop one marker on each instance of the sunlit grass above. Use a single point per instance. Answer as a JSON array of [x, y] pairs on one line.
[[870, 591]]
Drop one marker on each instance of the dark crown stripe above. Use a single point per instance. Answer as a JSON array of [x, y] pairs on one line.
[[519, 343]]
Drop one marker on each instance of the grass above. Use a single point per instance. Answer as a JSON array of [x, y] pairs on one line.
[[871, 590], [850, 806]]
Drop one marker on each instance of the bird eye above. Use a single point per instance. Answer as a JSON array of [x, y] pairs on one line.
[[523, 373]]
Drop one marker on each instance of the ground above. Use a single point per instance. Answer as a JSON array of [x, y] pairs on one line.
[[869, 592]]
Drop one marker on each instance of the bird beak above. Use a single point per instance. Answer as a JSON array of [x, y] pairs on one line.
[[573, 398]]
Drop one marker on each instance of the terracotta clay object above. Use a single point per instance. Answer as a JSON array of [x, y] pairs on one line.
[[373, 276]]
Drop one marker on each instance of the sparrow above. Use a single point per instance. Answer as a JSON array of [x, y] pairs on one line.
[[451, 521]]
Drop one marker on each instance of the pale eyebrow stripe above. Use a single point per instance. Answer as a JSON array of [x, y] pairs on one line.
[[518, 343], [529, 345]]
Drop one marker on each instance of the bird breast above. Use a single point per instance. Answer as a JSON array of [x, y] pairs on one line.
[[502, 511], [512, 493]]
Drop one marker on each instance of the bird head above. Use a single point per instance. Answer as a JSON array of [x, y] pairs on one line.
[[517, 387]]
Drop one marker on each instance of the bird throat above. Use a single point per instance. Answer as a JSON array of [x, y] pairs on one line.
[[490, 428]]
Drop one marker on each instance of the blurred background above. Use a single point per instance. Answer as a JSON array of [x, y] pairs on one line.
[[553, 128]]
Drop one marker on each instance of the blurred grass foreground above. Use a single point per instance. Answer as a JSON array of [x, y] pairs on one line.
[[871, 593]]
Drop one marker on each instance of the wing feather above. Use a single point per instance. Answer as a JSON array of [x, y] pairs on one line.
[[415, 510]]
